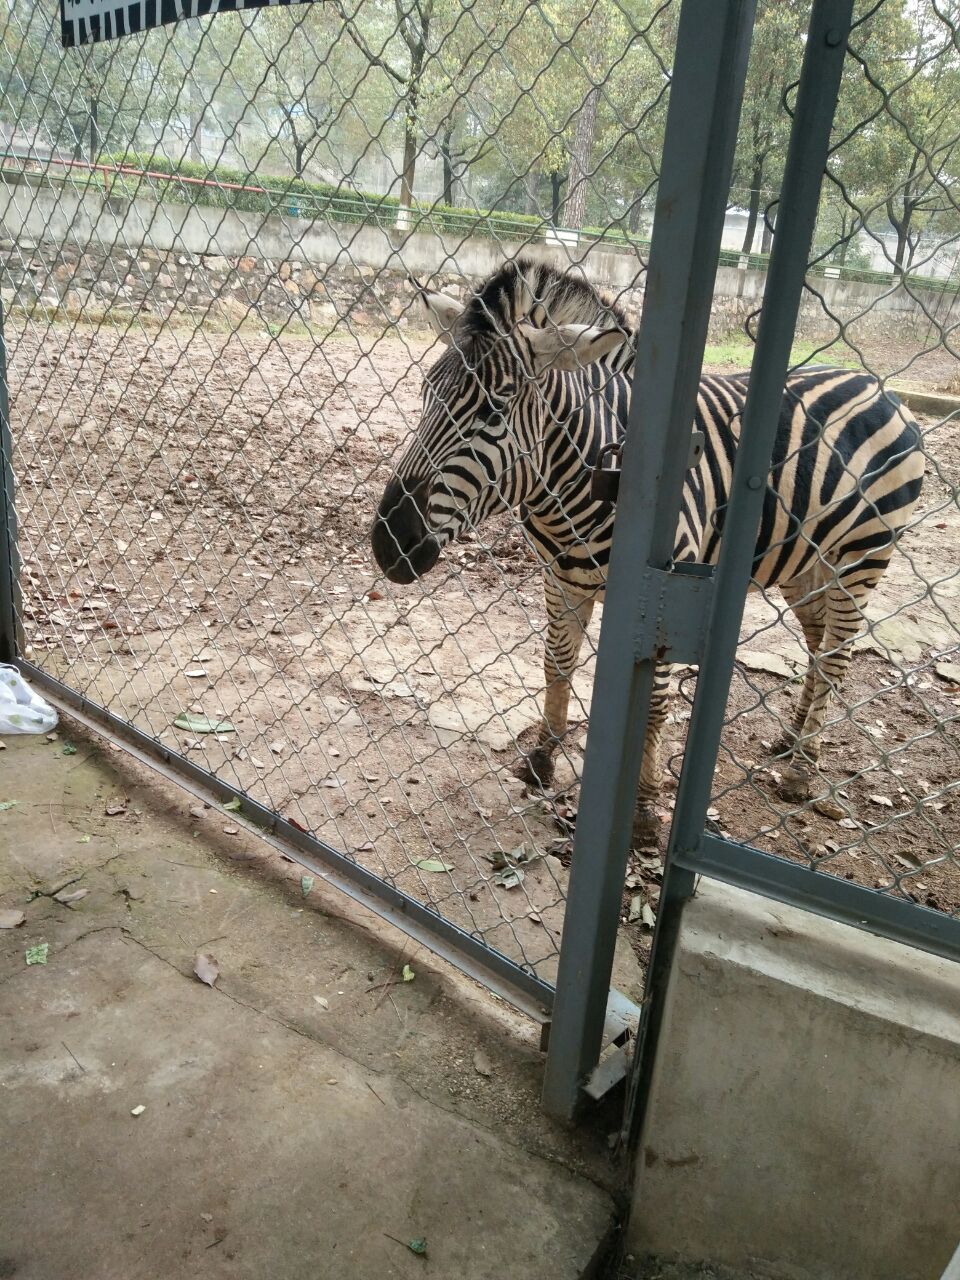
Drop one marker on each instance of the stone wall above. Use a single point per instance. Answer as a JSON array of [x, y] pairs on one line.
[[87, 255], [97, 283]]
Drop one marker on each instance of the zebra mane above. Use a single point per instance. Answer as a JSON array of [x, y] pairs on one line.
[[524, 289]]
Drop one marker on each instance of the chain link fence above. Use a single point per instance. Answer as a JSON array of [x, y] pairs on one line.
[[881, 811], [215, 362]]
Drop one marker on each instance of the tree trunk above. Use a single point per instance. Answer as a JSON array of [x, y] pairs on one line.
[[299, 151], [576, 206], [409, 171], [94, 130], [902, 229], [446, 144], [196, 126], [849, 232], [557, 179], [767, 238], [417, 45], [633, 222], [754, 210], [531, 190]]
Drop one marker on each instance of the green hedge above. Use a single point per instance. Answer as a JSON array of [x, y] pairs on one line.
[[297, 198]]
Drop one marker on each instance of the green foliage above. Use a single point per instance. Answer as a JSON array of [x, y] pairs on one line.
[[227, 188]]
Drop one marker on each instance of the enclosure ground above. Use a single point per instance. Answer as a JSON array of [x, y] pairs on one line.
[[308, 1116], [195, 510]]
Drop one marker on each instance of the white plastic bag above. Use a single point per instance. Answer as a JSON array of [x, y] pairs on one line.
[[22, 710]]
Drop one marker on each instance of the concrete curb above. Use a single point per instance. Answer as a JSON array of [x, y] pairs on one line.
[[935, 403]]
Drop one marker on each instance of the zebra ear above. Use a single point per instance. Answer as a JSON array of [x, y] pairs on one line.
[[570, 346], [443, 312]]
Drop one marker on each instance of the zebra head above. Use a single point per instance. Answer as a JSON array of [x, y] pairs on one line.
[[480, 441]]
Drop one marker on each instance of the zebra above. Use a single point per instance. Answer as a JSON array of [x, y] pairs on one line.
[[536, 380]]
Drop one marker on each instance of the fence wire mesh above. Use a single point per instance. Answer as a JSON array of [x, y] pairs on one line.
[[216, 359], [881, 808]]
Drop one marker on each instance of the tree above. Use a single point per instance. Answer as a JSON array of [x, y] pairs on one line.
[[911, 146], [775, 57], [404, 65]]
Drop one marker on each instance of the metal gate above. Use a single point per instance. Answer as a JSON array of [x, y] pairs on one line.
[[694, 614]]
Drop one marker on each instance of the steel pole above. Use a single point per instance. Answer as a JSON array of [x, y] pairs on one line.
[[713, 42]]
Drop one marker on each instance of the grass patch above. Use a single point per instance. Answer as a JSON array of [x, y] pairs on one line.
[[737, 354]]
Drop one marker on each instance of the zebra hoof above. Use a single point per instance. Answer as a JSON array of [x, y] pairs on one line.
[[783, 745], [646, 825], [536, 769], [796, 785]]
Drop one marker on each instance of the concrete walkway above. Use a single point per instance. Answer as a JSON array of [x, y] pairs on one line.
[[309, 1116]]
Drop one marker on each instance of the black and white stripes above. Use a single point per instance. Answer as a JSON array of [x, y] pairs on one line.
[[90, 21], [536, 380]]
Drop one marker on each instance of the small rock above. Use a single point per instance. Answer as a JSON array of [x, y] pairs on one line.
[[138, 1110], [830, 809], [482, 1064]]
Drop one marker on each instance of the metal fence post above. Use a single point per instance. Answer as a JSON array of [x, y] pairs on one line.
[[709, 71], [799, 201], [9, 561]]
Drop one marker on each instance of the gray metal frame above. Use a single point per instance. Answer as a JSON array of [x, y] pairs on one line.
[[713, 43], [696, 616], [10, 642]]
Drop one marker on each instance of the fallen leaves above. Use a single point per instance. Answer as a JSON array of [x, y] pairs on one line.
[[830, 809], [884, 801], [202, 724], [509, 878], [434, 865], [206, 967], [37, 954], [408, 974], [7, 804], [306, 884]]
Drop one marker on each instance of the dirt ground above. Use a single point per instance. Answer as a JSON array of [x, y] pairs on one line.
[[194, 518]]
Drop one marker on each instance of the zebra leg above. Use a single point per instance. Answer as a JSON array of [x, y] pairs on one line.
[[646, 821], [805, 596], [568, 616], [844, 607]]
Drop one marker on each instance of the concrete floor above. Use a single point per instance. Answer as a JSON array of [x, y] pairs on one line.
[[307, 1117]]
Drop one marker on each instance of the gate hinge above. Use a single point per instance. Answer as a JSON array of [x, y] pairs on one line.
[[674, 613]]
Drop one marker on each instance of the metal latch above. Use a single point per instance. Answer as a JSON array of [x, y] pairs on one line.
[[605, 479], [673, 613]]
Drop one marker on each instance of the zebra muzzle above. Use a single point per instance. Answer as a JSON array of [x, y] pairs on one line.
[[403, 546]]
